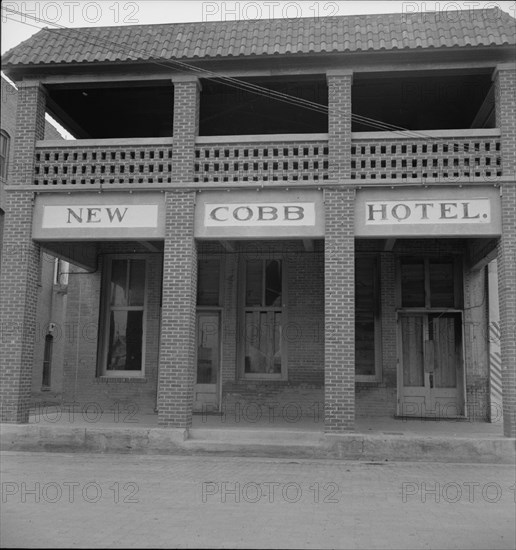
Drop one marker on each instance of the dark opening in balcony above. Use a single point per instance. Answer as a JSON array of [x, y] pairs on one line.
[[230, 110], [114, 110], [423, 100]]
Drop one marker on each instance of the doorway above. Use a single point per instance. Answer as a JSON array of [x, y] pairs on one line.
[[206, 389], [431, 365]]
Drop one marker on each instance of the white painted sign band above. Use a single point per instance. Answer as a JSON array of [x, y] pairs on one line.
[[421, 212], [97, 216], [267, 214]]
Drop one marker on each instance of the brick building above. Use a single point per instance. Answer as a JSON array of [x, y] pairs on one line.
[[51, 289], [286, 214]]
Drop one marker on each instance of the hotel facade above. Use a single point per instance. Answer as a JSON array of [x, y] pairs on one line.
[[287, 215]]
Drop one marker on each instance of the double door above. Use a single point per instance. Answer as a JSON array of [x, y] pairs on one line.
[[431, 365]]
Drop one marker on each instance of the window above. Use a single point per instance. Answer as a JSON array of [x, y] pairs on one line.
[[263, 315], [47, 361], [367, 319], [5, 143], [208, 283], [61, 271], [124, 317], [431, 283]]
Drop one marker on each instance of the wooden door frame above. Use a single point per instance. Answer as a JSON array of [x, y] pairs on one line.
[[461, 381], [210, 310]]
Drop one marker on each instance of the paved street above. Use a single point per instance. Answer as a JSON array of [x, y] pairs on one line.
[[113, 501]]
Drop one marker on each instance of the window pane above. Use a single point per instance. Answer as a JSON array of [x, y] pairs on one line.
[[137, 283], [413, 284], [412, 351], [442, 284], [253, 283], [125, 340], [447, 335], [119, 282], [273, 283], [207, 349], [365, 308], [263, 342], [208, 283]]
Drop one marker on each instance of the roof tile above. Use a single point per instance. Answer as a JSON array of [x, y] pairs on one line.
[[469, 28]]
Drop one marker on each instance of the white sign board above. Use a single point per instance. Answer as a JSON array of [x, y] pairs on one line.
[[264, 214], [116, 215], [271, 214], [439, 211], [409, 212], [99, 216]]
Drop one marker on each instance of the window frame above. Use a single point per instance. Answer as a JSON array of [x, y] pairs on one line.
[[243, 308], [377, 376], [47, 362], [218, 258], [4, 169], [105, 312], [458, 282]]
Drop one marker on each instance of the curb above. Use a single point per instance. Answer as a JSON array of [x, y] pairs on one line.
[[256, 443]]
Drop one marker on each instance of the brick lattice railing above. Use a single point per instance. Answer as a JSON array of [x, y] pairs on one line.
[[442, 154], [445, 155], [285, 158], [90, 162]]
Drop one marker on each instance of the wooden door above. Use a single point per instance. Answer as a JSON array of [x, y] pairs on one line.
[[206, 390], [430, 379]]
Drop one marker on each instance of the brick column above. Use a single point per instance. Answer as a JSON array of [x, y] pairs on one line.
[[178, 318], [339, 258], [177, 341], [505, 83], [20, 263], [186, 127]]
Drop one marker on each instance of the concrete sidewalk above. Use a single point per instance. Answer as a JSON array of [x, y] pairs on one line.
[[377, 439]]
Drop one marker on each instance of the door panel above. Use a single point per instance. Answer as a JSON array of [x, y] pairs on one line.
[[430, 371], [206, 389], [448, 342], [412, 351]]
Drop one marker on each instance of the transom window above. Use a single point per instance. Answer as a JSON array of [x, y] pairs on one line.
[[124, 317], [431, 283], [208, 283]]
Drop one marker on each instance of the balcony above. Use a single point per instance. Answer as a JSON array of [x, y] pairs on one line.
[[442, 155]]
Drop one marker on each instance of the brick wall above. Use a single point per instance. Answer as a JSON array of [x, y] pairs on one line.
[[18, 301], [20, 264], [302, 333], [84, 384], [9, 103], [505, 82]]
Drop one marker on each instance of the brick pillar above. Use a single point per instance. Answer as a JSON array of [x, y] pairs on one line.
[[178, 319], [177, 341], [339, 258], [186, 127], [505, 84], [20, 263]]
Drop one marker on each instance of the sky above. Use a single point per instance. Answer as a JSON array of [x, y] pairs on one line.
[[17, 25]]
